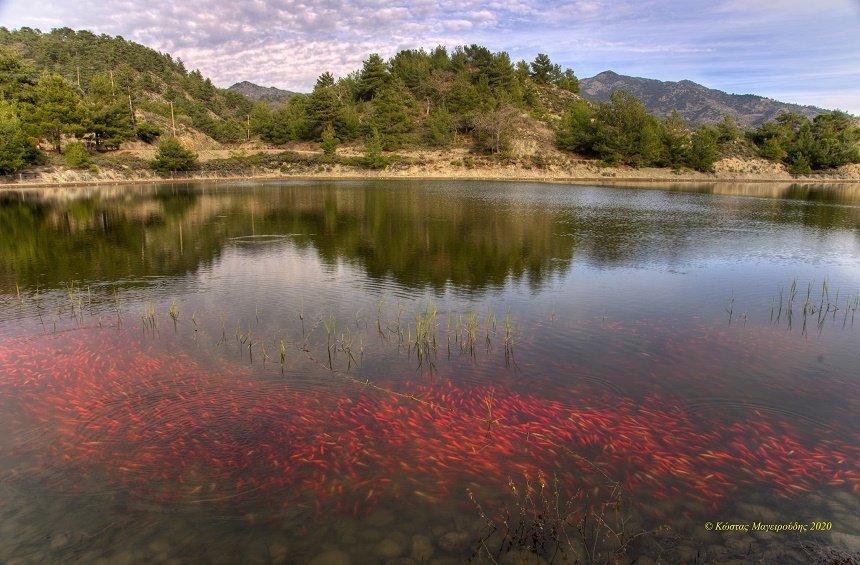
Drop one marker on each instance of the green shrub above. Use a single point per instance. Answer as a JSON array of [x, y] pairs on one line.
[[329, 141], [826, 142], [172, 156], [703, 150], [16, 151], [76, 156], [626, 133], [440, 128], [575, 131], [373, 158], [800, 166], [147, 132]]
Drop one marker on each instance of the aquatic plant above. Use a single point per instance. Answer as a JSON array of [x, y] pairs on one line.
[[345, 345], [149, 318], [380, 305], [821, 306], [330, 324], [558, 525], [509, 336], [282, 352], [302, 315], [173, 312], [426, 327]]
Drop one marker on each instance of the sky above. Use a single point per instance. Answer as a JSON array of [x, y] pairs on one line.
[[798, 51]]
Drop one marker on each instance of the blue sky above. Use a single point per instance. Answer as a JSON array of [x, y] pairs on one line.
[[797, 51]]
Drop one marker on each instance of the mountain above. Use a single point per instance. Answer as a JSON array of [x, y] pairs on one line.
[[695, 103], [259, 93]]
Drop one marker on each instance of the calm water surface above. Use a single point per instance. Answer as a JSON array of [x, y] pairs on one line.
[[428, 372]]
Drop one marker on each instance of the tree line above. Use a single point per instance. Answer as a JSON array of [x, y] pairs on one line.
[[622, 131], [419, 98], [77, 85]]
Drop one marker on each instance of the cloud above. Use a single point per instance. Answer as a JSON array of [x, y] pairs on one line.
[[728, 44]]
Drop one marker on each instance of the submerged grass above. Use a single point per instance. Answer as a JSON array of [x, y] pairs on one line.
[[422, 334], [542, 522], [815, 308]]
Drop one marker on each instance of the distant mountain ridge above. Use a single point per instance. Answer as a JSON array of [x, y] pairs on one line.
[[259, 93], [694, 102]]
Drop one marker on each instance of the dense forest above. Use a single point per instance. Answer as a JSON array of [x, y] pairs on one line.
[[76, 93]]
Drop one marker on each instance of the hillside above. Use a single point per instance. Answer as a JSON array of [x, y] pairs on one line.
[[695, 103], [70, 98], [151, 79], [258, 93]]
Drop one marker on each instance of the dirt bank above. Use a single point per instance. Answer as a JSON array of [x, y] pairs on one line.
[[304, 162]]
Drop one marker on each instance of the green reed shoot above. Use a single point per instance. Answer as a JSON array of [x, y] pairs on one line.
[[330, 324], [345, 344], [282, 352], [173, 312], [302, 314], [148, 317], [380, 305]]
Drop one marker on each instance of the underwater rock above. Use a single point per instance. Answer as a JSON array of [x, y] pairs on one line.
[[388, 548], [454, 541], [380, 518], [422, 548], [59, 541], [740, 545], [756, 512], [848, 541], [159, 546], [278, 552], [331, 557]]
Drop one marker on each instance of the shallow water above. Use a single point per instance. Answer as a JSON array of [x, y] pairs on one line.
[[374, 371]]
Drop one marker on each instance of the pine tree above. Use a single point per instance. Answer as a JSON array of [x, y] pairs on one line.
[[568, 81], [773, 148], [58, 109], [575, 132], [16, 150], [329, 141], [147, 132], [675, 140], [703, 150], [728, 130], [325, 80], [626, 133], [440, 128], [374, 76], [15, 82], [412, 67], [111, 124], [543, 71], [324, 107], [393, 110], [373, 158]]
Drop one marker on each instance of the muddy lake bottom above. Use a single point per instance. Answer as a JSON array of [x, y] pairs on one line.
[[430, 372]]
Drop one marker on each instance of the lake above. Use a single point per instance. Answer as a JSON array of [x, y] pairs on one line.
[[415, 372]]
